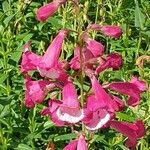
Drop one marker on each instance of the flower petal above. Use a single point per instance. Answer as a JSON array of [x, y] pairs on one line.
[[70, 97], [35, 89], [113, 60], [101, 95], [129, 89], [111, 31], [140, 84], [50, 58], [81, 143], [72, 145], [29, 60], [65, 115], [46, 11], [96, 48]]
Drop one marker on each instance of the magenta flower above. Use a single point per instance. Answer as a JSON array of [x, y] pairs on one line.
[[113, 60], [36, 91], [78, 144], [131, 89], [30, 60], [108, 30], [66, 111], [69, 111], [96, 48], [131, 130], [48, 64], [99, 108], [46, 11], [112, 31]]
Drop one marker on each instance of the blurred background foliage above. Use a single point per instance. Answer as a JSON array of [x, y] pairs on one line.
[[25, 129]]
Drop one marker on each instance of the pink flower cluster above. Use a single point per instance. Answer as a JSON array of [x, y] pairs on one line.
[[100, 106]]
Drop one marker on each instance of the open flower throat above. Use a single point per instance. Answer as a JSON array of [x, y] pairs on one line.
[[95, 109]]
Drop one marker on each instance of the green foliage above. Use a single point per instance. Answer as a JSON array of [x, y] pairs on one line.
[[24, 129]]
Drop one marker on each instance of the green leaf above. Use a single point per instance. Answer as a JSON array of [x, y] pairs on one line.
[[3, 77], [57, 23], [139, 16], [6, 7], [27, 37], [65, 137], [125, 117], [23, 147], [8, 19]]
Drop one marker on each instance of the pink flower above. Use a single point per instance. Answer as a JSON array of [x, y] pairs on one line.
[[78, 144], [113, 60], [48, 64], [66, 111], [69, 111], [30, 60], [131, 130], [112, 31], [108, 30], [96, 48], [131, 89], [36, 91], [48, 10], [99, 108]]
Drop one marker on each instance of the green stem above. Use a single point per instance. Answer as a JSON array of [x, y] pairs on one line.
[[138, 46]]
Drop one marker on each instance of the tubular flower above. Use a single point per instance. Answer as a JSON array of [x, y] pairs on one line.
[[46, 11], [36, 91], [112, 31], [99, 108], [133, 90], [48, 64], [66, 111], [96, 48], [78, 144], [107, 30], [69, 111], [113, 60], [131, 130]]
